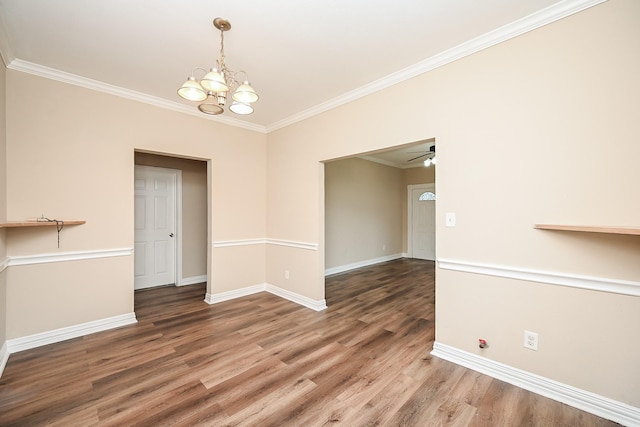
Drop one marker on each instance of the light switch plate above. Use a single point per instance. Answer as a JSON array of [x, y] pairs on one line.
[[450, 219]]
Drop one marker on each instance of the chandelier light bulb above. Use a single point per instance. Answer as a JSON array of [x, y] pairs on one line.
[[192, 91], [427, 163], [245, 93], [240, 108], [433, 161], [214, 81]]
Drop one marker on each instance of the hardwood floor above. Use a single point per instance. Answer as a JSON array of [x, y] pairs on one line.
[[261, 360]]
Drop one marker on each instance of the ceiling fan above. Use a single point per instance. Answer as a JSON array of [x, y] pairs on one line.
[[431, 152]]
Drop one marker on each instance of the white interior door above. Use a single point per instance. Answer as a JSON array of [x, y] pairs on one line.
[[155, 226], [423, 221]]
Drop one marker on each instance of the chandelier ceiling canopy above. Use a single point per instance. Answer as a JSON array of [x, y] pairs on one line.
[[212, 89]]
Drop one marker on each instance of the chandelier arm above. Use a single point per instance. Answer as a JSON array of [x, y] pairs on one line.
[[246, 76], [193, 71]]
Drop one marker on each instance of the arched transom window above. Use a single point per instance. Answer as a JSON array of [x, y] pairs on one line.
[[427, 195]]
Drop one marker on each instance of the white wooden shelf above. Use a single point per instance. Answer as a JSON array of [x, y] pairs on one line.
[[611, 229]]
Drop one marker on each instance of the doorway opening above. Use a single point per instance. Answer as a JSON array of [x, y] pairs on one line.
[[366, 205], [171, 227]]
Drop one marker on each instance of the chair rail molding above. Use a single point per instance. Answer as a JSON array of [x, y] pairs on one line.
[[264, 241], [602, 284], [67, 256]]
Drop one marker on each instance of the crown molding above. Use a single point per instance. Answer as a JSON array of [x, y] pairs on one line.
[[536, 20], [73, 79]]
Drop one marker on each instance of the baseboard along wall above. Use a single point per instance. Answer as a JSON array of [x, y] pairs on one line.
[[316, 305], [590, 402], [360, 264], [194, 280], [62, 334]]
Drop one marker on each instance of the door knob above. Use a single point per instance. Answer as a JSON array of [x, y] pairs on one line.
[[171, 235]]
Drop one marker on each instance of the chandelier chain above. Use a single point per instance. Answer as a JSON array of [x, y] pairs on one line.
[[222, 57]]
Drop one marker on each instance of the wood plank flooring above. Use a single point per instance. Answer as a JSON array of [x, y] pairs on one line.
[[261, 360]]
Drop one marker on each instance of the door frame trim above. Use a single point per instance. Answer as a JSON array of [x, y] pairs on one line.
[[426, 187]]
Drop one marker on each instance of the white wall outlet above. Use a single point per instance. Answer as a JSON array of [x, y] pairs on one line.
[[531, 340], [286, 274], [450, 219], [384, 247]]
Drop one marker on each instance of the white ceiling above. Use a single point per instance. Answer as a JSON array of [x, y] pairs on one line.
[[302, 57]]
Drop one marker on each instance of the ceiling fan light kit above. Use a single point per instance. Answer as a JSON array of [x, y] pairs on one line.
[[429, 162], [217, 82]]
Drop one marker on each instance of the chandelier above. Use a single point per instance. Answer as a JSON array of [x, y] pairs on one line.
[[213, 88]]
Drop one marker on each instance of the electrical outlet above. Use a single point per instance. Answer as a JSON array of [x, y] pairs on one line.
[[286, 274], [531, 340]]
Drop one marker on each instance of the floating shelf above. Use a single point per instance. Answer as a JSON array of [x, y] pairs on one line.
[[17, 224], [613, 229]]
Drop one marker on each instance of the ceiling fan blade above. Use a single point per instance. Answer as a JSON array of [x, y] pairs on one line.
[[431, 152], [427, 154]]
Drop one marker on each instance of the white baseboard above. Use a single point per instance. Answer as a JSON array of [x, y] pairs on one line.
[[317, 305], [75, 331], [236, 293], [265, 287], [194, 280], [360, 264], [590, 402], [4, 357]]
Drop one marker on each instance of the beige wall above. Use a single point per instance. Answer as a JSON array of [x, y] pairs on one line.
[[363, 211], [194, 209], [70, 155], [3, 203], [420, 175], [521, 127]]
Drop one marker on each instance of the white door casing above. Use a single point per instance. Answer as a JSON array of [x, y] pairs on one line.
[[155, 226], [421, 228]]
